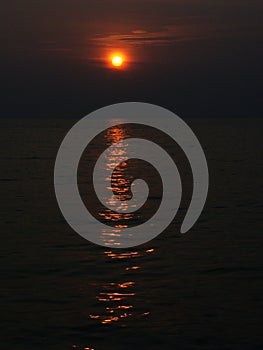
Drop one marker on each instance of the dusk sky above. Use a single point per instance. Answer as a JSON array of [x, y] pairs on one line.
[[135, 226], [196, 57]]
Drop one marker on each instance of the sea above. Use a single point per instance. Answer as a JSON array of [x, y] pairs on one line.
[[193, 291]]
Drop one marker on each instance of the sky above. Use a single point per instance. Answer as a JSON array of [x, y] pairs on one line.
[[199, 58]]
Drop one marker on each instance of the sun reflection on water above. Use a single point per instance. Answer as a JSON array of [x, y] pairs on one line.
[[116, 300], [119, 298], [119, 185]]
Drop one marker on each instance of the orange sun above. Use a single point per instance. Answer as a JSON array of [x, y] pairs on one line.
[[117, 60]]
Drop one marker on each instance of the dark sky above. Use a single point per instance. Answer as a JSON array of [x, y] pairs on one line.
[[196, 57]]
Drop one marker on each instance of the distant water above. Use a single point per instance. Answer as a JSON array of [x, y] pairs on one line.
[[202, 290]]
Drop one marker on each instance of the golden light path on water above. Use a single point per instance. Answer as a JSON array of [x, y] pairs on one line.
[[118, 302], [119, 184], [117, 298]]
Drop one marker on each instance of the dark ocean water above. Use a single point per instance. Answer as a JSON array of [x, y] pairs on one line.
[[202, 290]]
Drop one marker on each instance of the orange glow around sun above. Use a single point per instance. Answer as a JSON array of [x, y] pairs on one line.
[[117, 60]]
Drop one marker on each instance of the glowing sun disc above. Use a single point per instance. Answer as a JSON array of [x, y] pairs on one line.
[[117, 61]]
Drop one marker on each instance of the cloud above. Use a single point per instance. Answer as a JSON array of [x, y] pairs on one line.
[[166, 36], [153, 39], [56, 49], [139, 31]]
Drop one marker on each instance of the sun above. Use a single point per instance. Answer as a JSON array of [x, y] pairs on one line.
[[117, 61]]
